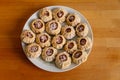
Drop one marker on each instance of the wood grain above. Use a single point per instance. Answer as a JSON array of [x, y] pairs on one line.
[[103, 62]]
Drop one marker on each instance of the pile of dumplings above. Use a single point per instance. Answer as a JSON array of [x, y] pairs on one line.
[[57, 36]]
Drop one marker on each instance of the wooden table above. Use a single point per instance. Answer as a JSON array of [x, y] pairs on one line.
[[103, 62]]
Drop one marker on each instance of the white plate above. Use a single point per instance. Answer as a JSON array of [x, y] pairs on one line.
[[51, 66]]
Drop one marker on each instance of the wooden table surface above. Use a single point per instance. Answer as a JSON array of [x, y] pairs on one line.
[[103, 62]]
